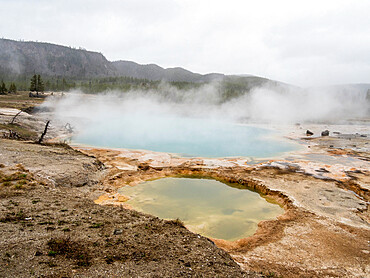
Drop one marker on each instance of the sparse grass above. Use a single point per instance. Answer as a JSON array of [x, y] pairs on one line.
[[62, 222], [19, 100], [69, 249], [52, 253], [6, 183], [96, 225], [22, 131], [17, 176], [7, 178], [13, 217], [20, 214], [18, 186], [21, 179], [59, 144], [46, 223], [22, 182]]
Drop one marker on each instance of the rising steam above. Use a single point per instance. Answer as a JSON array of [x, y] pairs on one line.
[[260, 105]]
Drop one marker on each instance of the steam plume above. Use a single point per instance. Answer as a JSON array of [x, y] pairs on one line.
[[260, 105]]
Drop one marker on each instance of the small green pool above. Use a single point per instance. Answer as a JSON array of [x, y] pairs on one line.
[[207, 207]]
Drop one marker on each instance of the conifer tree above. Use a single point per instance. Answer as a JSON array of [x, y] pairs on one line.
[[40, 84], [3, 89], [33, 86], [12, 88], [37, 85]]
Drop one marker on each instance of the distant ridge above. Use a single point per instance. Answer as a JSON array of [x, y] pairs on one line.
[[155, 72], [22, 59], [26, 58]]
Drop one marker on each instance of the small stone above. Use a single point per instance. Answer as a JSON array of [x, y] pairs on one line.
[[325, 133], [117, 232], [322, 170], [309, 133]]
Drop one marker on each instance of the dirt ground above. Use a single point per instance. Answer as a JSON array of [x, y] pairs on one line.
[[65, 217]]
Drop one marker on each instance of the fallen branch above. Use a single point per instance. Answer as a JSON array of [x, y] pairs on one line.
[[12, 135], [15, 117], [44, 133]]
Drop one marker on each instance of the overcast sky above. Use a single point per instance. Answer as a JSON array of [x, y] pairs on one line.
[[299, 42]]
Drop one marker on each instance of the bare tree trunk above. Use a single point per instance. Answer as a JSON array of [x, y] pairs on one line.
[[15, 117], [44, 133]]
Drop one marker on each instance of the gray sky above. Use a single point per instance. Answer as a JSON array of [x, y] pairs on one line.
[[299, 42]]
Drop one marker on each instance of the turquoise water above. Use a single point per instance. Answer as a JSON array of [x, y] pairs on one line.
[[207, 207], [185, 136]]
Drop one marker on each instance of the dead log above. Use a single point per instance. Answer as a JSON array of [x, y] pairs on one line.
[[44, 133]]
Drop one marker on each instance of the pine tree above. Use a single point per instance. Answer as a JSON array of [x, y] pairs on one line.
[[12, 88], [33, 86], [37, 85], [3, 89], [40, 84]]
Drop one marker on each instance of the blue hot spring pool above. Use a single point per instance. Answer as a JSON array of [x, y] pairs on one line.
[[185, 136]]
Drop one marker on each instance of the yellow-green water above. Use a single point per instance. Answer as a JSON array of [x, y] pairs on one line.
[[207, 207]]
